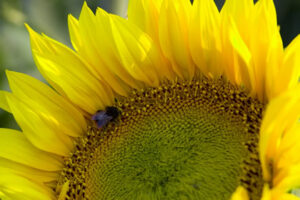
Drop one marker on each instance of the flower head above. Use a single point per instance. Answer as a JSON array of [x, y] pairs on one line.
[[190, 103]]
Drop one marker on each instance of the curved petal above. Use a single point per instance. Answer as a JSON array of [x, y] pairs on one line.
[[267, 49], [35, 126], [236, 55], [17, 187], [126, 58], [280, 116], [37, 175], [287, 178], [96, 47], [288, 75], [145, 14], [136, 52], [64, 70], [275, 194], [174, 38], [40, 97], [22, 151], [205, 44], [74, 31]]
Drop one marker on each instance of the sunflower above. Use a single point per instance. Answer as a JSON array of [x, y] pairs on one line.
[[179, 101]]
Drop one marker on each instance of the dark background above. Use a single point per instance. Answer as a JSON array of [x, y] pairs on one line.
[[50, 17]]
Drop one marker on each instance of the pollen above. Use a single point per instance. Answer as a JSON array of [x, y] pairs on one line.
[[193, 139]]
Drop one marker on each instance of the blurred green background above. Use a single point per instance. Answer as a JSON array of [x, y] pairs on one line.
[[50, 17]]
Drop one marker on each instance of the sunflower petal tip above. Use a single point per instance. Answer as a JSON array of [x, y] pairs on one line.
[[12, 74], [85, 9], [70, 17], [9, 73], [26, 26], [85, 4], [100, 10], [29, 29]]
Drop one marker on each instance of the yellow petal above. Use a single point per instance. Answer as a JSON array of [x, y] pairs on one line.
[[288, 148], [266, 194], [286, 196], [17, 187], [15, 147], [63, 191], [8, 166], [145, 14], [97, 47], [240, 194], [60, 114], [174, 37], [267, 48], [100, 52], [242, 13], [136, 52], [205, 44], [74, 31], [63, 69], [281, 113], [276, 70], [237, 57], [242, 54], [3, 101], [287, 178], [278, 194], [126, 58], [289, 73], [35, 126]]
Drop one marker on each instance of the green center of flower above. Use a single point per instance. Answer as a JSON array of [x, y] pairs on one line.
[[187, 140]]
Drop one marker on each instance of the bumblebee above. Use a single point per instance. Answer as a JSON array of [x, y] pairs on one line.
[[103, 117]]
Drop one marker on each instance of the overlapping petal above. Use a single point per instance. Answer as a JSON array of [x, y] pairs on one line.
[[37, 130], [287, 76], [68, 119], [23, 152], [45, 117], [236, 55], [121, 54], [204, 37], [15, 187], [279, 141], [174, 22], [99, 51], [136, 52], [253, 61], [70, 75], [145, 14], [32, 173], [269, 194]]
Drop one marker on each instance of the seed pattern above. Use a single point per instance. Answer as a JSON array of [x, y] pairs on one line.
[[214, 95]]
